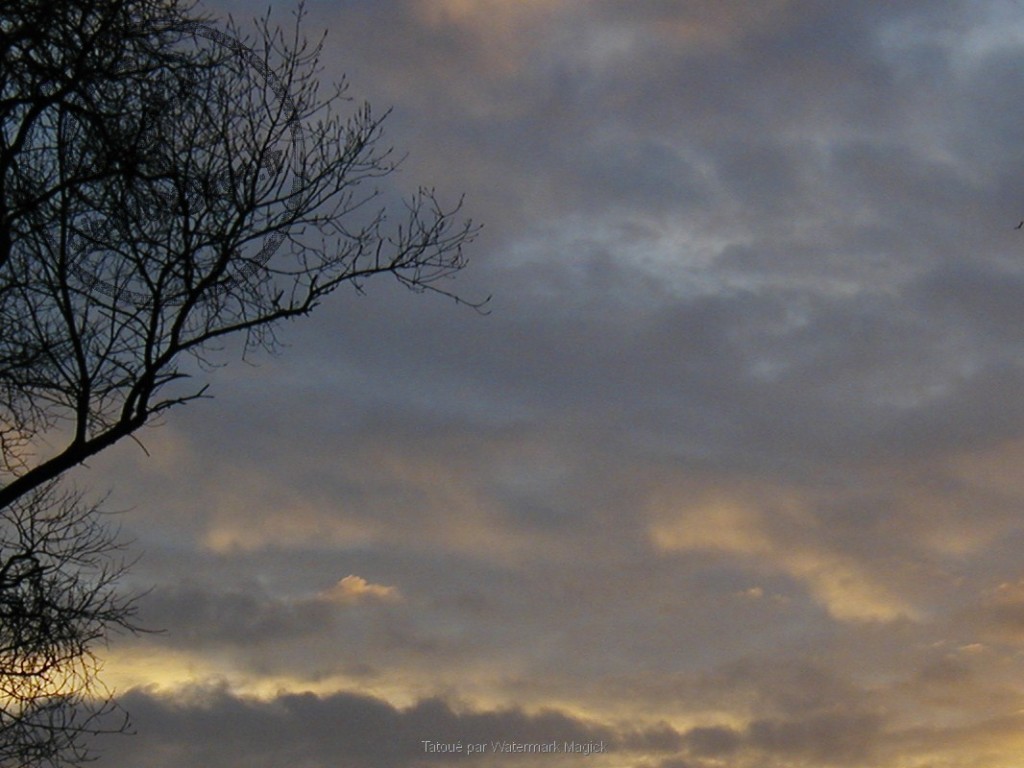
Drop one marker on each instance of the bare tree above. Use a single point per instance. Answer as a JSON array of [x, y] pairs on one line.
[[59, 568], [197, 188], [165, 185], [62, 62]]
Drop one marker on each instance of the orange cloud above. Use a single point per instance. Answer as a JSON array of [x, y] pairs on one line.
[[355, 589], [758, 522], [502, 33]]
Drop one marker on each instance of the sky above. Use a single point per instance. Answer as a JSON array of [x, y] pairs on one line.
[[728, 476]]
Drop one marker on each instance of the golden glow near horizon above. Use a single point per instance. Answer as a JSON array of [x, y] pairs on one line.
[[618, 647]]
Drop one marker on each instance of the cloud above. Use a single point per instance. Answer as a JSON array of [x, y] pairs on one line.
[[188, 614], [773, 528], [824, 739], [209, 725], [355, 589], [713, 741], [995, 618]]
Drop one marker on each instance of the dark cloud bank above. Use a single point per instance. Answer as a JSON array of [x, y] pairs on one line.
[[210, 726]]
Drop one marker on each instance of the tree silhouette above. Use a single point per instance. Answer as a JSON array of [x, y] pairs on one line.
[[169, 202], [166, 185], [59, 567]]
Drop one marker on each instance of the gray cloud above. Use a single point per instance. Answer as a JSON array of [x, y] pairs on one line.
[[713, 741], [203, 726], [190, 615], [211, 726]]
